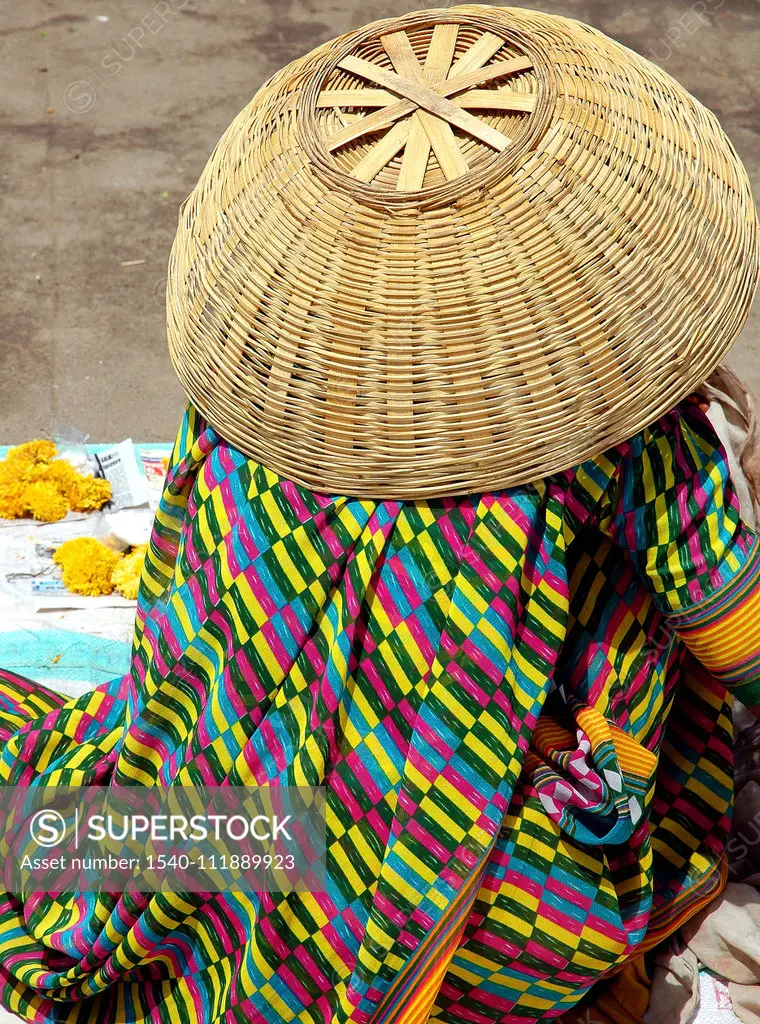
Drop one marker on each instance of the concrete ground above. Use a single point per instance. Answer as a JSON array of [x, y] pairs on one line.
[[110, 110]]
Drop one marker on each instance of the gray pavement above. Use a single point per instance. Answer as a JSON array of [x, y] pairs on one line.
[[109, 112]]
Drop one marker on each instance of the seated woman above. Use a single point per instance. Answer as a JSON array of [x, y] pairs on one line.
[[418, 546]]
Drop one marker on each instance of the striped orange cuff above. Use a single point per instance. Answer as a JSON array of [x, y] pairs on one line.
[[723, 632]]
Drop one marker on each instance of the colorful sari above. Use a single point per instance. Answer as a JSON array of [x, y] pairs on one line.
[[516, 703]]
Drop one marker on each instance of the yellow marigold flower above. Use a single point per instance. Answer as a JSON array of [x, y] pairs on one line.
[[88, 493], [87, 566], [31, 453], [127, 573], [45, 501], [34, 482], [60, 472], [12, 495]]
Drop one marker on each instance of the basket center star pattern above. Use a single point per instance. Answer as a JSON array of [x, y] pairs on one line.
[[426, 103]]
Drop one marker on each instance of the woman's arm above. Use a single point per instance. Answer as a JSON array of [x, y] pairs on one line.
[[675, 511]]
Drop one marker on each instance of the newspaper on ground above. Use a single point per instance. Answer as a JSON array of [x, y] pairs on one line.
[[122, 468]]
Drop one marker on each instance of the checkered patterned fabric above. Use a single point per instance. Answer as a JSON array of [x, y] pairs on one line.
[[528, 774]]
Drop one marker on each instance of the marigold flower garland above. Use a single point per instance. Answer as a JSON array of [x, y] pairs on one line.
[[90, 568], [34, 481]]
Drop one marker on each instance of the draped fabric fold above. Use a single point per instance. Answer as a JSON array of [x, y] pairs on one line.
[[528, 774]]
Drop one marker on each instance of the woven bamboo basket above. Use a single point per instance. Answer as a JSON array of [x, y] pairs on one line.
[[457, 251]]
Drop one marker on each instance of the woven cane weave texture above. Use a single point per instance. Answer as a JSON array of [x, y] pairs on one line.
[[456, 251]]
